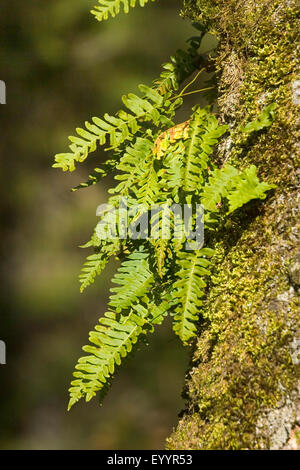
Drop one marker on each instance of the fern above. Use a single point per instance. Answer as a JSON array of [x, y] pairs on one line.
[[161, 226], [95, 264], [134, 278], [155, 163], [219, 183], [189, 290], [132, 165], [265, 119], [111, 130], [111, 341], [204, 134], [247, 187], [107, 8], [236, 187], [156, 105]]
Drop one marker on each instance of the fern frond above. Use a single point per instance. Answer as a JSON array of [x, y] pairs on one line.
[[107, 8], [154, 106], [204, 132], [264, 119], [148, 187], [173, 173], [134, 280], [180, 66], [98, 174], [111, 341], [219, 183], [162, 225], [237, 187], [247, 187], [189, 289], [111, 130], [96, 262], [132, 165]]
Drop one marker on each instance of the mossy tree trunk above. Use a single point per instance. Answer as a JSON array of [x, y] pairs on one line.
[[241, 391]]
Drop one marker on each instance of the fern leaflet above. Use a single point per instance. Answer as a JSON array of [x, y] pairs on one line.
[[107, 8], [247, 187], [189, 289], [95, 264], [134, 278]]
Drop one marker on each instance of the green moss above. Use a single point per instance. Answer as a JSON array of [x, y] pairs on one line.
[[242, 359], [242, 362]]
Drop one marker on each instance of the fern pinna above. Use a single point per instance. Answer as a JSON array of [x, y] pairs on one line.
[[110, 8], [156, 163]]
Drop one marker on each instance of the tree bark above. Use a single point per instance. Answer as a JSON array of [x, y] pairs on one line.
[[241, 389]]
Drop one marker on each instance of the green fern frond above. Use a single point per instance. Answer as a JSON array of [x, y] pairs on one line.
[[92, 267], [203, 135], [115, 130], [154, 106], [237, 187], [111, 8], [173, 172], [162, 224], [111, 130], [111, 341], [133, 166], [247, 187], [189, 290], [134, 280], [180, 66], [95, 264], [98, 174], [219, 183], [148, 187], [265, 119]]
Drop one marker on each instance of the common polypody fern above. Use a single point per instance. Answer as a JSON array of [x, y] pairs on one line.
[[156, 164]]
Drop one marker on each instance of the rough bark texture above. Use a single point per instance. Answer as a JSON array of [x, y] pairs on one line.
[[241, 389]]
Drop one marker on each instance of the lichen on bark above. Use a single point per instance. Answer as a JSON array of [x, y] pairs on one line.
[[241, 390]]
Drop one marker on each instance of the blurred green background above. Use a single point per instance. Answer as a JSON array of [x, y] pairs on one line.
[[62, 67]]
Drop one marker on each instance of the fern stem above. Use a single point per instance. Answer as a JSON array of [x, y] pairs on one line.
[[196, 91], [191, 82]]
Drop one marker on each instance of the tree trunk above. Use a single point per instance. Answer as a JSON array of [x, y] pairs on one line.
[[241, 389]]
